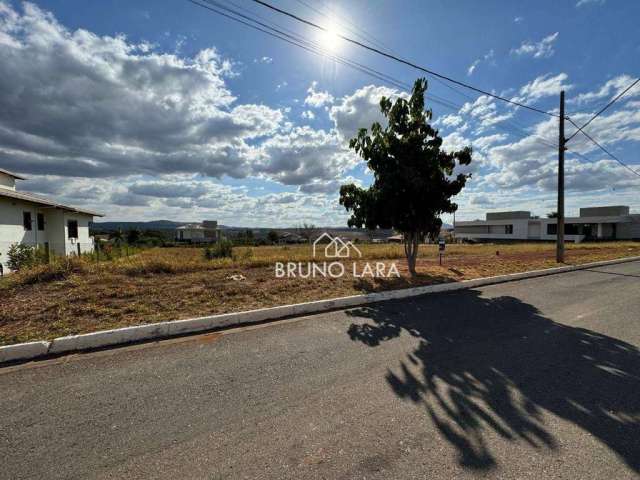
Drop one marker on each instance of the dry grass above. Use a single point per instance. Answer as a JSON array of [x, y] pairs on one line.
[[78, 296]]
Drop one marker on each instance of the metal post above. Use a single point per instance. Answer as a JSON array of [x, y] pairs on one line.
[[561, 149]]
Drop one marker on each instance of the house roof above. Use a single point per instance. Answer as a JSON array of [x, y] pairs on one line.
[[30, 197], [191, 226], [7, 172]]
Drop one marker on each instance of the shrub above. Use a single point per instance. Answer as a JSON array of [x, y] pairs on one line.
[[149, 267], [59, 269], [222, 249], [20, 256]]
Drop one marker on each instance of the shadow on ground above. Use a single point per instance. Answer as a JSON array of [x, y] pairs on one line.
[[496, 364], [379, 284]]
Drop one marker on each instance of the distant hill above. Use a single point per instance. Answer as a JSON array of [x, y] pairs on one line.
[[171, 225], [152, 225]]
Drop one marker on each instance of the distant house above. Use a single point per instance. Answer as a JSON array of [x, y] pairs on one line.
[[593, 223], [205, 232], [37, 221], [289, 237]]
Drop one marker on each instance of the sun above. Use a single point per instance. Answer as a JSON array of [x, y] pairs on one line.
[[330, 38]]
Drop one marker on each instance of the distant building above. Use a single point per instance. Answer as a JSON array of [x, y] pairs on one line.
[[205, 232], [37, 221], [594, 223], [289, 237]]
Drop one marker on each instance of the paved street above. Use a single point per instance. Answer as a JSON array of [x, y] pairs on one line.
[[531, 379]]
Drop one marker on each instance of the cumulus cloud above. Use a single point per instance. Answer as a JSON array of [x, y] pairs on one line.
[[360, 109], [609, 90], [127, 199], [168, 189], [308, 114], [303, 155], [450, 120], [80, 105], [485, 112], [316, 98], [541, 49], [543, 86], [529, 163], [74, 103]]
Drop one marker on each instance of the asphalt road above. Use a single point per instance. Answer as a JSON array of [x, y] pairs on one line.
[[532, 379]]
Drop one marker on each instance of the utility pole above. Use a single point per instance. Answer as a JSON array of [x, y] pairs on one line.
[[560, 220]]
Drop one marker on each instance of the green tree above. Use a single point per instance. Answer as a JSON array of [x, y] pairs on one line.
[[413, 177], [117, 237], [552, 215], [133, 236], [273, 236], [308, 231]]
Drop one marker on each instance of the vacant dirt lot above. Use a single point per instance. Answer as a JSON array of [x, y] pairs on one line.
[[167, 284]]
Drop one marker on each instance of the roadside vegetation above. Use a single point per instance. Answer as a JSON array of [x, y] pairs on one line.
[[143, 285]]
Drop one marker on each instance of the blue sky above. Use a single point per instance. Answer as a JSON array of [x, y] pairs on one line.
[[151, 109]]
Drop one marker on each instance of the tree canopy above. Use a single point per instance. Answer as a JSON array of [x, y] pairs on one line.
[[413, 178]]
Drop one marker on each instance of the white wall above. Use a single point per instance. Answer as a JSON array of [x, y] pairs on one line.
[[11, 229], [190, 234], [7, 181], [55, 228]]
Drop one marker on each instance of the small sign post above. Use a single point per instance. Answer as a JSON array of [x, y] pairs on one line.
[[441, 247]]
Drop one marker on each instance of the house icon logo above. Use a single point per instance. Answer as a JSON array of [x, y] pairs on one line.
[[335, 248]]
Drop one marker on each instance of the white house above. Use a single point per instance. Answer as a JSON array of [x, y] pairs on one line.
[[594, 223], [205, 232], [33, 220]]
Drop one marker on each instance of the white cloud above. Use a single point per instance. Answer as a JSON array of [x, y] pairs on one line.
[[518, 19], [472, 67], [610, 90], [119, 111], [582, 3], [308, 114], [304, 155], [77, 104], [541, 49], [450, 120], [487, 57], [543, 86], [266, 60], [317, 99], [360, 109], [485, 112]]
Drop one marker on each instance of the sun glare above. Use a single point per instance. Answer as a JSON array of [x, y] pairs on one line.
[[330, 39]]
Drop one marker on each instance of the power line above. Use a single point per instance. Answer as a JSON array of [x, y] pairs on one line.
[[345, 22], [375, 41], [581, 129], [310, 46], [606, 151], [313, 47], [398, 59]]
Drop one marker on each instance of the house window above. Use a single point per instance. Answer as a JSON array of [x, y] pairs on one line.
[[72, 227], [40, 221], [26, 220], [552, 229], [508, 229]]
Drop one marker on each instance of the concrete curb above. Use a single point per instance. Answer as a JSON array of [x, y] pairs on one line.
[[120, 336]]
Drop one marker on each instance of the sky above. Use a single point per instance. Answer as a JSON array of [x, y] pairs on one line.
[[150, 109]]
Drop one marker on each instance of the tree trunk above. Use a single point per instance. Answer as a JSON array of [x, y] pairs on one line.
[[411, 250]]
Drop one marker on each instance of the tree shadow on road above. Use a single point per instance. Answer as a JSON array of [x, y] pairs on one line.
[[496, 364]]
